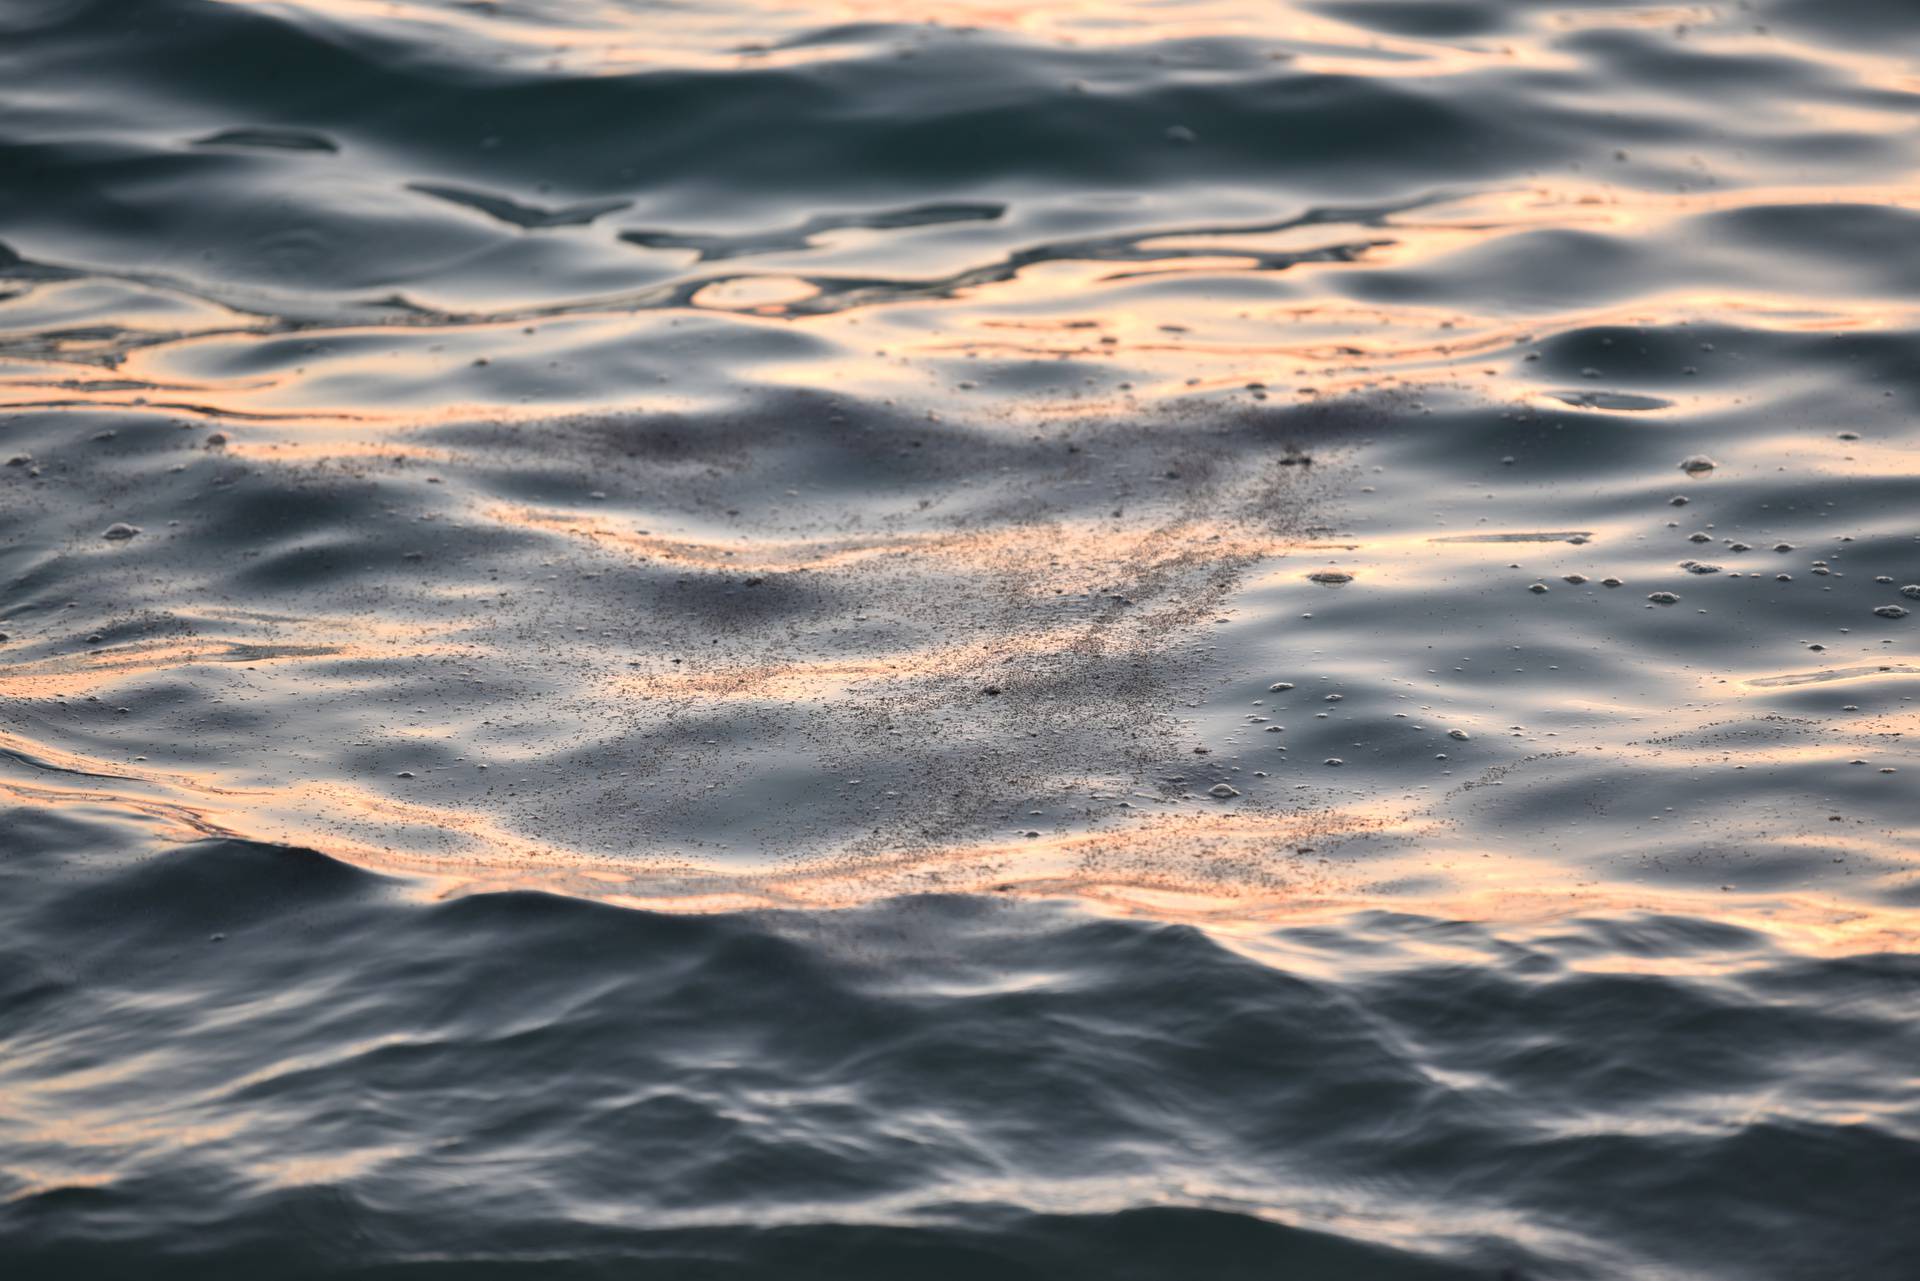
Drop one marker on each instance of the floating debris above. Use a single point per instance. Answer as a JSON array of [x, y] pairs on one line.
[[1890, 611], [1459, 734], [1698, 567], [1335, 760], [1575, 579], [1911, 591], [1612, 582], [1695, 464], [1330, 577], [1279, 687], [119, 532]]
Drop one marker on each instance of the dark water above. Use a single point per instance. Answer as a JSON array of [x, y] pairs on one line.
[[841, 640]]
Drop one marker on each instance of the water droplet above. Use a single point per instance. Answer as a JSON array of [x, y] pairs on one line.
[[1695, 464], [119, 531], [1664, 598], [1222, 791], [1457, 733]]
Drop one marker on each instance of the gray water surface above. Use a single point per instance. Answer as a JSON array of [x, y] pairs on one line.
[[833, 640]]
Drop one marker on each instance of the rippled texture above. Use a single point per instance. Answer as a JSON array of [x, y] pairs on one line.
[[860, 640]]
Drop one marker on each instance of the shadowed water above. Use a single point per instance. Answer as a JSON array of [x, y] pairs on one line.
[[845, 640]]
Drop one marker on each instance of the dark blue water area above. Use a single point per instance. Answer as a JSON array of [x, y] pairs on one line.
[[227, 1058]]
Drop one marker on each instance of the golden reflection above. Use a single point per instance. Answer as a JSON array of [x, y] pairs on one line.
[[338, 381], [325, 1170], [1411, 298], [32, 1181]]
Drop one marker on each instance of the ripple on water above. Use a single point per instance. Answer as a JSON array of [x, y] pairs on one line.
[[763, 549]]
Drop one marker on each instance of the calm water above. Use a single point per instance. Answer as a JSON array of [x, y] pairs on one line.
[[1102, 640]]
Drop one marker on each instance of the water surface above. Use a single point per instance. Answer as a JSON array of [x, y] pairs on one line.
[[848, 640]]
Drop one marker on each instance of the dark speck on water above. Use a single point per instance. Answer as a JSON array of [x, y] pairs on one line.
[[548, 553]]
